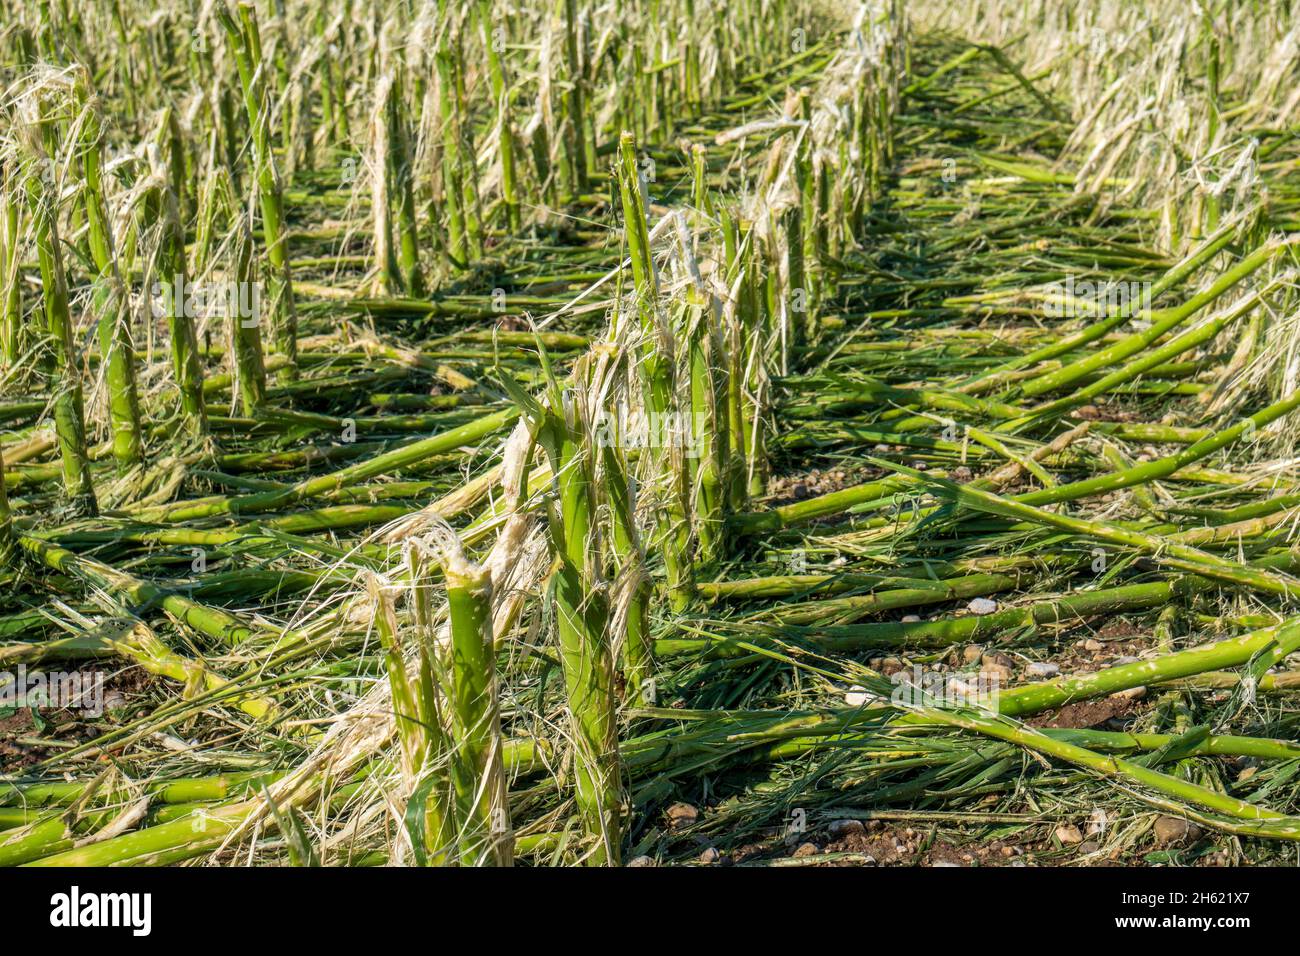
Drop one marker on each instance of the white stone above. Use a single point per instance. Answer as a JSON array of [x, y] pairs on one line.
[[859, 696], [839, 829]]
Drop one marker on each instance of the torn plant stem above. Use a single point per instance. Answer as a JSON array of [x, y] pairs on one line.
[[493, 37], [395, 192], [577, 143], [69, 404], [581, 619], [1161, 548], [455, 212], [171, 269], [214, 622], [485, 834], [111, 302], [655, 366], [245, 332], [320, 485], [1266, 822], [708, 468], [1163, 321], [430, 816], [246, 44], [635, 650], [11, 307]]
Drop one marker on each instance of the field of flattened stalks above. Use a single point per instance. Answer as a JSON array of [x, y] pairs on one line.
[[649, 432]]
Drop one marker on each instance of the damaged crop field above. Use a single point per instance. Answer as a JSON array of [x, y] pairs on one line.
[[775, 433]]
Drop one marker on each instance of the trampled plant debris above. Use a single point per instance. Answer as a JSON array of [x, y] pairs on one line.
[[753, 433]]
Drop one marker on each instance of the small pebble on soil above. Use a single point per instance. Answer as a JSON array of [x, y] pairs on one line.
[[681, 815], [1175, 831]]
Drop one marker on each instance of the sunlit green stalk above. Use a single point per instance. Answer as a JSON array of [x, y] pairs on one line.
[[501, 95], [246, 46], [245, 328], [635, 649], [173, 280], [485, 833], [581, 619], [575, 142], [456, 243], [420, 731], [656, 366], [10, 288], [69, 407], [111, 303], [402, 190]]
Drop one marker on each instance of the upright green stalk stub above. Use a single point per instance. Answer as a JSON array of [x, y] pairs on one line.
[[69, 407], [578, 146], [246, 45], [454, 173], [244, 324], [656, 367], [486, 836], [632, 191], [430, 814], [173, 280], [11, 304], [632, 607], [109, 296], [581, 620]]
